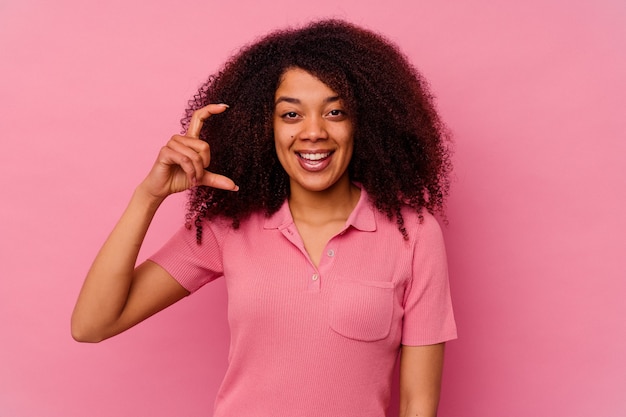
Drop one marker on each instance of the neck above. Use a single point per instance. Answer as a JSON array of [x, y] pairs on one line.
[[336, 202]]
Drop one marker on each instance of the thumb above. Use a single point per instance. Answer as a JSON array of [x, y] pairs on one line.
[[222, 182]]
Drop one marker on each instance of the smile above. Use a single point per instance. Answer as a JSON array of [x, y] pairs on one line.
[[314, 157], [314, 161]]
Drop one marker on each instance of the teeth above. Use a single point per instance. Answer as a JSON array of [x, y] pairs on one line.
[[314, 156]]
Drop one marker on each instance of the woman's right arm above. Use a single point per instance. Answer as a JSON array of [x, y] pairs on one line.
[[116, 294]]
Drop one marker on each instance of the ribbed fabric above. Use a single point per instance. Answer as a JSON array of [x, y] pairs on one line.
[[318, 342]]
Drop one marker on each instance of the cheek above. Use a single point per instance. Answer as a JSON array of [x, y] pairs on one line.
[[281, 143], [344, 133], [284, 138], [349, 141], [282, 134], [282, 150]]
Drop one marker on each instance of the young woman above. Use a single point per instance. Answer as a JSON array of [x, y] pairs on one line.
[[315, 161]]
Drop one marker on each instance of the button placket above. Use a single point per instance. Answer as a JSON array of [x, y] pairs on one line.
[[314, 281]]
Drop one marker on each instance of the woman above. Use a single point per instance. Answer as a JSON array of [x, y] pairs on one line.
[[312, 187]]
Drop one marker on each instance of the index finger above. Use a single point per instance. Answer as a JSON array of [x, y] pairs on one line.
[[200, 115]]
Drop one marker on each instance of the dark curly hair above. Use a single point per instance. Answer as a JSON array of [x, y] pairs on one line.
[[401, 148]]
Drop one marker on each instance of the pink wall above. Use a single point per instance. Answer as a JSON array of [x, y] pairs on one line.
[[534, 92]]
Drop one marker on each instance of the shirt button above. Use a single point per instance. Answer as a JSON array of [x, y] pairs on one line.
[[315, 277], [331, 253]]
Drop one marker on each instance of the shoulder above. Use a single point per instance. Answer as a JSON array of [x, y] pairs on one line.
[[422, 227], [417, 223], [428, 223]]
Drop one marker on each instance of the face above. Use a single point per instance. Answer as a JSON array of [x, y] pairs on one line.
[[313, 133]]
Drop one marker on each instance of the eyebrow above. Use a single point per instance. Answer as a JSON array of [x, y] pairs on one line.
[[293, 100]]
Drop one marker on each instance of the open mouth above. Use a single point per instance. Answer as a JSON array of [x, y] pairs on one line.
[[314, 158]]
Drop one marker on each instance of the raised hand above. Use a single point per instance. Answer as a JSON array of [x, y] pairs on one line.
[[181, 163], [116, 295]]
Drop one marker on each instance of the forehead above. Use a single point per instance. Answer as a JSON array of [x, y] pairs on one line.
[[296, 81]]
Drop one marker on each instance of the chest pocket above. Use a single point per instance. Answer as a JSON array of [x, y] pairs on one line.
[[361, 310]]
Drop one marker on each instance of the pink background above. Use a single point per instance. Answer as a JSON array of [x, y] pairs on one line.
[[533, 91]]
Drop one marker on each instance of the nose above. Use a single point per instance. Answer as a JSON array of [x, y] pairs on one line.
[[314, 129]]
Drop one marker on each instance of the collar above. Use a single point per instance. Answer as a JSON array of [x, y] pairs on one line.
[[362, 217]]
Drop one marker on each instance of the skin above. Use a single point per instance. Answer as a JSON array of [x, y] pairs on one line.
[[309, 119], [421, 368], [115, 295]]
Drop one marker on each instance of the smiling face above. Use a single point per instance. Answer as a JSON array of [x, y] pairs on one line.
[[313, 134]]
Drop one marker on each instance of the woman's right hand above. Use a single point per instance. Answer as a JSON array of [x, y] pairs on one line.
[[116, 295], [181, 163]]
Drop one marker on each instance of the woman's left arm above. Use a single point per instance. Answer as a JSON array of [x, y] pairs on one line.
[[420, 380]]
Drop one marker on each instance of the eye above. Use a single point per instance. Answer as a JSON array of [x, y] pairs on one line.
[[292, 115], [337, 114]]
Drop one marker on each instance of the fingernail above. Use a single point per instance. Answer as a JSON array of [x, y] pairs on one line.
[[236, 188], [224, 105]]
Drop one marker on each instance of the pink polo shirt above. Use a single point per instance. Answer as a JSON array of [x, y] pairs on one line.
[[318, 342]]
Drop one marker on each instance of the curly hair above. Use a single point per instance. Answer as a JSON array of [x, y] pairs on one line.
[[401, 156]]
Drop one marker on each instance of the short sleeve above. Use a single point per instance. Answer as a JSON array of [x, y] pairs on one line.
[[191, 264], [428, 314]]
